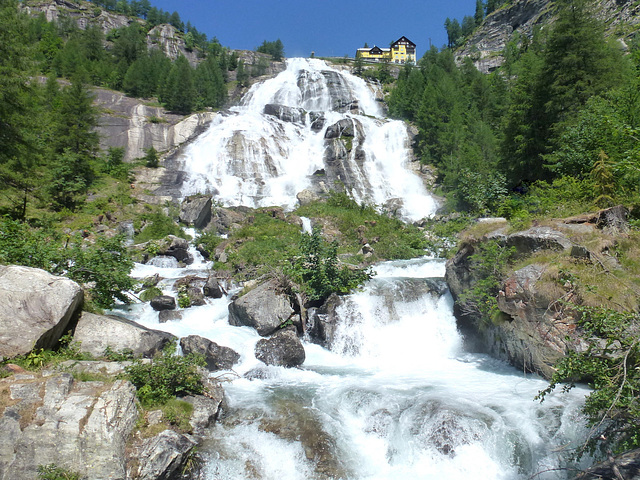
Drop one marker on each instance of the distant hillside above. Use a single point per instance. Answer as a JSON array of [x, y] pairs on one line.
[[521, 17]]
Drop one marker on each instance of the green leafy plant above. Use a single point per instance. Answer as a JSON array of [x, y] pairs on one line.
[[184, 300], [167, 376], [489, 262], [54, 472], [317, 270], [611, 366], [149, 293]]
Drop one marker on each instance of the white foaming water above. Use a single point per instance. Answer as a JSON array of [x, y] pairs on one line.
[[249, 158], [395, 397]]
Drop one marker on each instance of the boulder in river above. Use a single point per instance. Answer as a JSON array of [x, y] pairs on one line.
[[216, 356], [262, 308], [163, 302], [283, 348], [36, 309], [195, 211]]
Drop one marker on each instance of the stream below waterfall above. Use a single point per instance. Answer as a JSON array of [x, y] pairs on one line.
[[396, 396]]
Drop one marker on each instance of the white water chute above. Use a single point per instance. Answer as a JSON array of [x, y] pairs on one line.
[[250, 158]]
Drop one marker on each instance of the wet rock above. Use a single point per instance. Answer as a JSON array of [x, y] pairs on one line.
[[284, 113], [262, 308], [343, 128], [283, 348], [317, 121], [322, 321], [163, 302], [205, 412], [295, 422], [195, 211], [95, 333], [216, 356], [176, 247], [624, 466], [36, 309], [213, 289], [169, 316]]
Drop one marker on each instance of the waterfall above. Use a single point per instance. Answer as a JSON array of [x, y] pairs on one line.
[[310, 127], [395, 395]]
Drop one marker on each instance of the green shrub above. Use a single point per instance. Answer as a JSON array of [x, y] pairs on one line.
[[488, 263], [611, 366], [316, 268], [149, 293], [67, 349], [158, 226], [167, 376], [54, 472], [104, 265]]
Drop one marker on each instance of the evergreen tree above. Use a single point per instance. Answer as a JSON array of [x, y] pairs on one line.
[[209, 84], [468, 25], [492, 5], [479, 13], [178, 92], [76, 122], [19, 152], [578, 62], [174, 20]]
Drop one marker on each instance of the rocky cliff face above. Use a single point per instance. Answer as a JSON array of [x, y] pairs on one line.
[[84, 13], [485, 46], [130, 123], [535, 325]]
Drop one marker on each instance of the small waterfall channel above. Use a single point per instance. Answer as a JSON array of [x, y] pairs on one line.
[[395, 396]]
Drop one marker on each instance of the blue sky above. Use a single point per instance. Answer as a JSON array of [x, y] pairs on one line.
[[327, 27]]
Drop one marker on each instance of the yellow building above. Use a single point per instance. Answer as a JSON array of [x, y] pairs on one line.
[[401, 51]]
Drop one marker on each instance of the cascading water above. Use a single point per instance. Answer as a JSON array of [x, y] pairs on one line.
[[395, 396], [284, 139]]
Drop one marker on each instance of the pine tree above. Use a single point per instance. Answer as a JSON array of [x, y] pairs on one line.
[[479, 13], [178, 93], [19, 116]]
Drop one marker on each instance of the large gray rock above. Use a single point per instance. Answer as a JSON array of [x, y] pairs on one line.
[[196, 211], [96, 332], [216, 356], [176, 247], [323, 321], [536, 335], [342, 128], [283, 348], [163, 302], [261, 308], [129, 123], [538, 238], [213, 289], [36, 309], [162, 457], [286, 114], [82, 426]]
